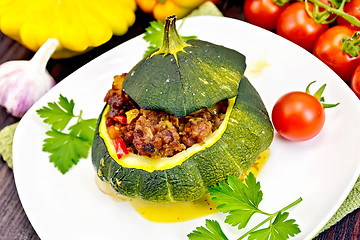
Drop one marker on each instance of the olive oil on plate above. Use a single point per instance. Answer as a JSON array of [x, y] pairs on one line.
[[177, 212]]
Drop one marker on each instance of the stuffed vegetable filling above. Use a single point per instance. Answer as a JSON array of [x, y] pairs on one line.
[[156, 134]]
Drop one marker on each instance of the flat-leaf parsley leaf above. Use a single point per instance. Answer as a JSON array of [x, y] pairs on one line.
[[241, 201], [212, 232], [238, 199], [58, 115], [66, 149], [66, 144], [279, 229], [84, 129]]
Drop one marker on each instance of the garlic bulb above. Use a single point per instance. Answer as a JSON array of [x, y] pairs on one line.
[[22, 82]]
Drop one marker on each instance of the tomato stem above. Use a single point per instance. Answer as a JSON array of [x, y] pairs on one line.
[[319, 92], [319, 16], [329, 105], [280, 2], [338, 11], [307, 90], [318, 95], [350, 45]]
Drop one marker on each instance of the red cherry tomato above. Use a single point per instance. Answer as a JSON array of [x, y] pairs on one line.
[[353, 8], [262, 13], [297, 26], [355, 81], [328, 49], [298, 116]]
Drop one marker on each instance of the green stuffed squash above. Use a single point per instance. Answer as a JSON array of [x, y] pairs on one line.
[[180, 79]]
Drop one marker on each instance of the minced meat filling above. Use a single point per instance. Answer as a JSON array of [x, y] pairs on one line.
[[158, 134]]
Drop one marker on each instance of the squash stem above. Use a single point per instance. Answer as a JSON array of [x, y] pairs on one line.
[[172, 42]]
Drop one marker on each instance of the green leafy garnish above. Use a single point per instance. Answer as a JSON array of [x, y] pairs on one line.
[[280, 228], [154, 36], [66, 144], [58, 116], [241, 201], [213, 232]]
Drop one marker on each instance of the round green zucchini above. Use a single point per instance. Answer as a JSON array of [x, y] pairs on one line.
[[180, 78], [248, 132]]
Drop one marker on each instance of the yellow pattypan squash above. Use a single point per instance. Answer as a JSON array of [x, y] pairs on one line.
[[79, 25], [161, 9]]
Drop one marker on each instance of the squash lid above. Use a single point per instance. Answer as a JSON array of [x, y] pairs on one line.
[[183, 77]]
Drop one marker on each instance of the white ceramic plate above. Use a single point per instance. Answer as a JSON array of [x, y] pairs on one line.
[[322, 171]]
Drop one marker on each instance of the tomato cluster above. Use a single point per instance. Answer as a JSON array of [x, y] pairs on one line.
[[313, 25], [316, 30]]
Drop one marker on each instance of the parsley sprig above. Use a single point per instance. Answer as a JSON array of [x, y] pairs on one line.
[[241, 201], [66, 144], [154, 36]]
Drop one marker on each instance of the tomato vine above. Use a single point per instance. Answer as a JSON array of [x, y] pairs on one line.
[[337, 11]]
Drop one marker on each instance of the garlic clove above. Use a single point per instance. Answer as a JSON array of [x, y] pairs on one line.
[[22, 83]]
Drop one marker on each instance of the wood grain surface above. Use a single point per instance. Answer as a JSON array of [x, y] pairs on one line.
[[14, 224]]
